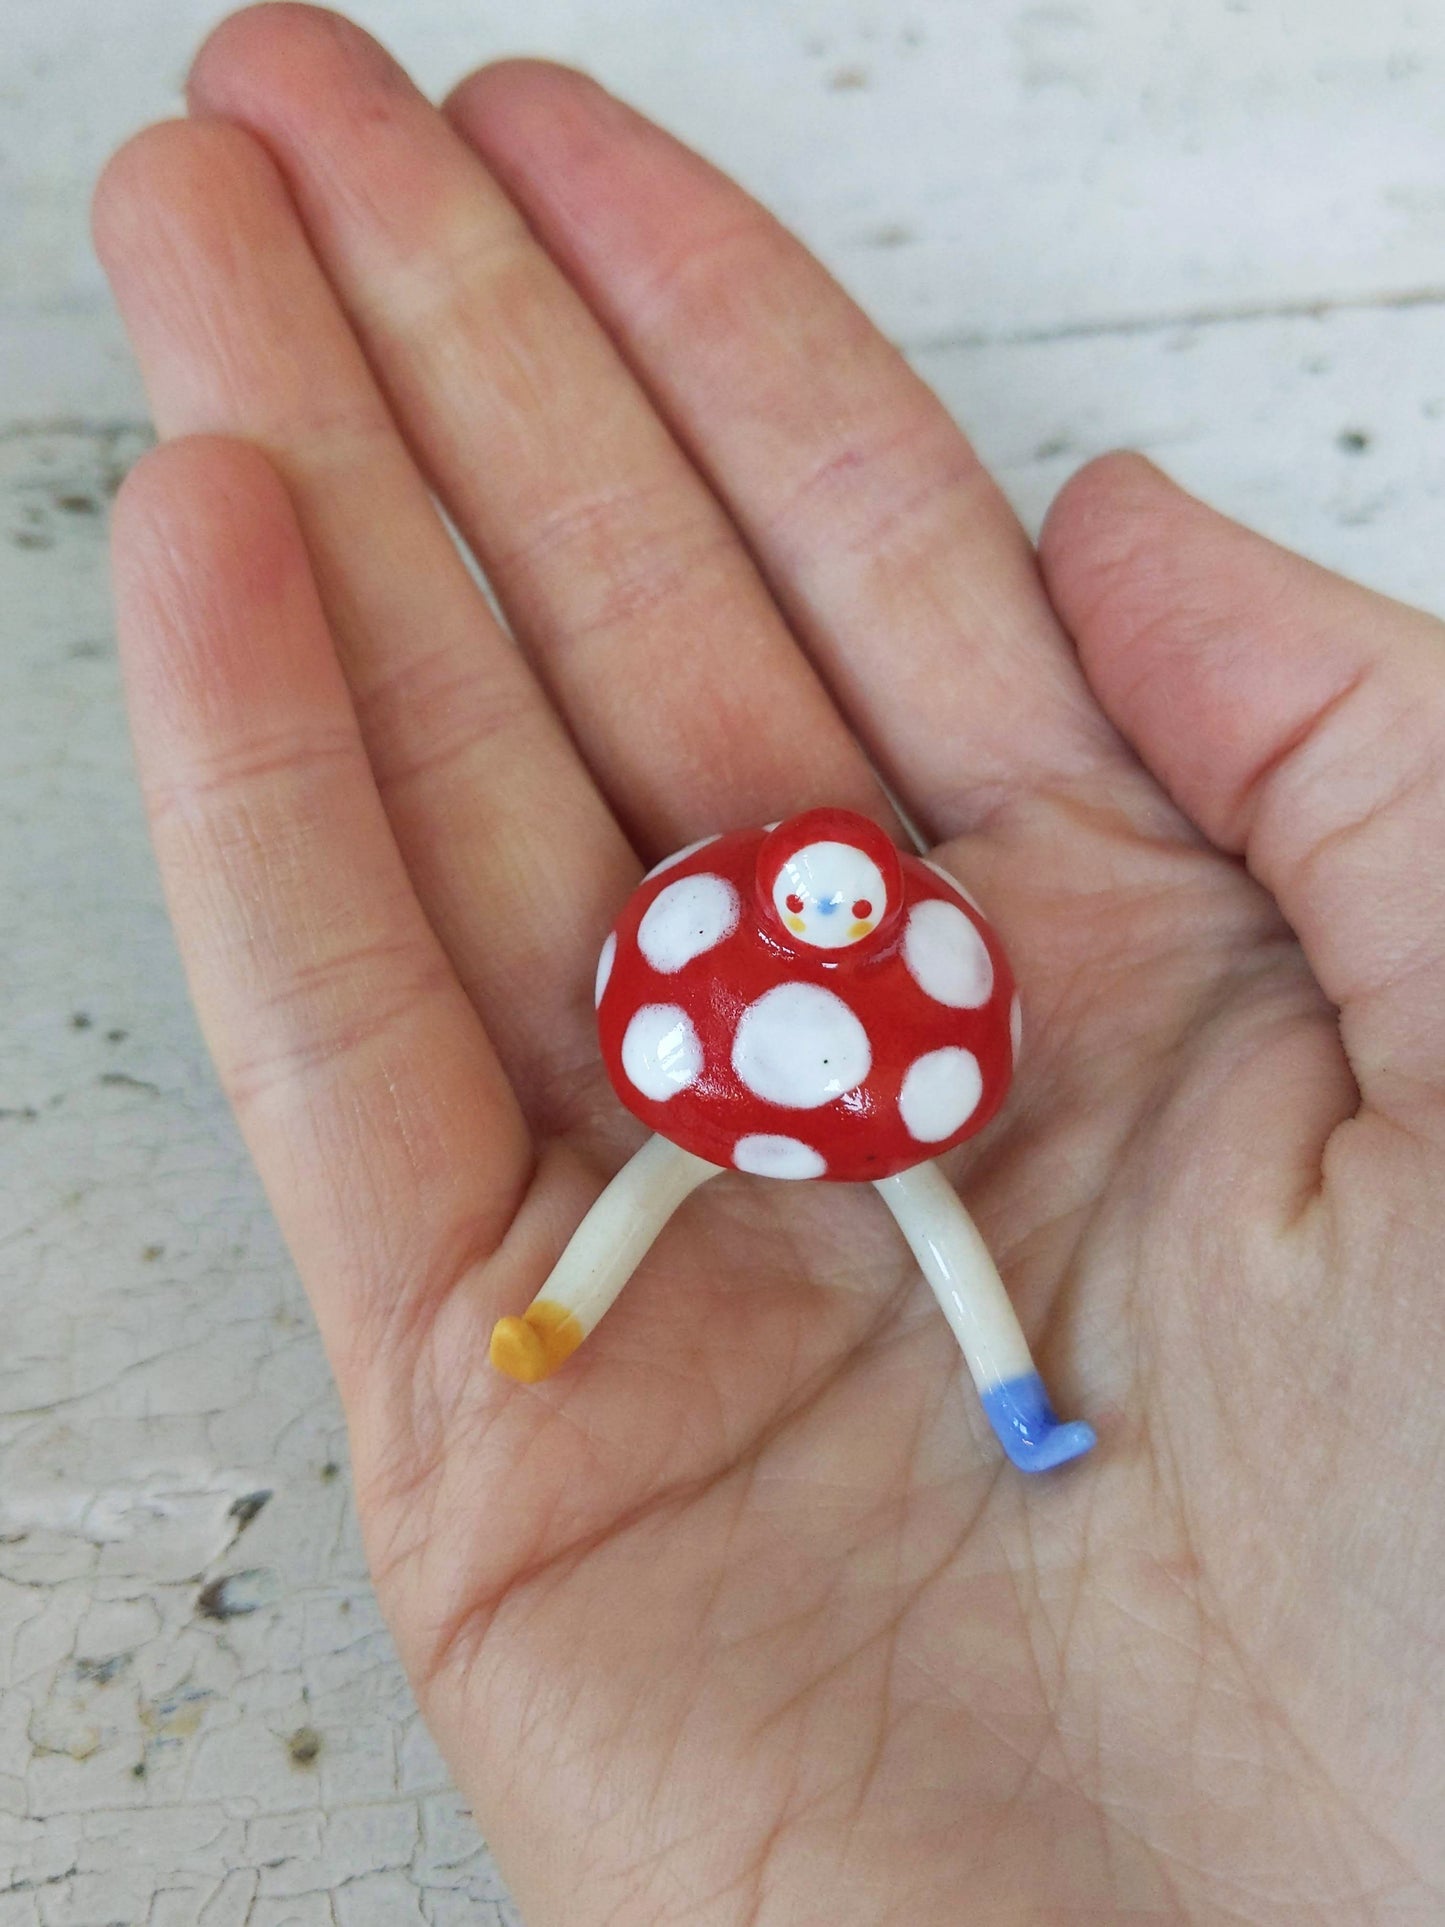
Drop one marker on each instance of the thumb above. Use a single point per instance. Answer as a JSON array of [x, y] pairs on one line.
[[1299, 720]]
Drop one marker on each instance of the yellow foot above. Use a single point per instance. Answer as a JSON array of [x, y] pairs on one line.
[[534, 1345]]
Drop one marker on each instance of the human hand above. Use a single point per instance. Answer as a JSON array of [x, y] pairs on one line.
[[741, 1617]]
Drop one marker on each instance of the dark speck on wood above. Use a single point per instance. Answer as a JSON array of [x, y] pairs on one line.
[[245, 1509], [231, 1596], [78, 504], [101, 1671], [1352, 441], [331, 1470]]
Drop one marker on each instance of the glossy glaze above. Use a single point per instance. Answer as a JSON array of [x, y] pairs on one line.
[[738, 1027], [805, 1001]]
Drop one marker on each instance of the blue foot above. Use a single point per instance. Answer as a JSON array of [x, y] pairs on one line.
[[1020, 1413]]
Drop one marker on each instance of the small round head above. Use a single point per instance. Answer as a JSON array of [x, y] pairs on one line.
[[828, 879]]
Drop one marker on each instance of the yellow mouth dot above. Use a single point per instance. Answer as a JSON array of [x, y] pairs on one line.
[[859, 929], [797, 926]]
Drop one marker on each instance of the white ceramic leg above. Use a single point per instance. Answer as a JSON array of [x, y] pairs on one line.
[[602, 1254], [965, 1280]]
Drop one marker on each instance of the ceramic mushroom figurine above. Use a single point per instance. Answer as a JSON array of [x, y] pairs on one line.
[[805, 1002]]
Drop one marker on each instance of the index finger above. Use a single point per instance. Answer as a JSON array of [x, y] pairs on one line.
[[388, 1139]]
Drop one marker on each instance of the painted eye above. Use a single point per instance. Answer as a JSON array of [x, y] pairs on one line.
[[862, 908], [795, 904]]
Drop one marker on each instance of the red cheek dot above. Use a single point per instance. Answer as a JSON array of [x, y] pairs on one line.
[[795, 904], [862, 908]]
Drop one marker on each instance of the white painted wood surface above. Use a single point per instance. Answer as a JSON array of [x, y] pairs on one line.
[[1214, 229]]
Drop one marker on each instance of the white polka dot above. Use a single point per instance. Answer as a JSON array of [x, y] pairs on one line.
[[953, 883], [948, 958], [800, 1046], [677, 856], [660, 1051], [685, 919], [1016, 1025], [604, 966], [777, 1157], [940, 1094]]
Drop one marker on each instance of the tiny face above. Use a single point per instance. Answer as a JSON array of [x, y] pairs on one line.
[[829, 895]]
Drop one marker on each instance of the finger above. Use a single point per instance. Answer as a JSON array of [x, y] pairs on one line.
[[516, 858], [892, 553], [1299, 719], [616, 566], [375, 1108]]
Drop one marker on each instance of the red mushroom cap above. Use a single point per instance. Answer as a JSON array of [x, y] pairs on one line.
[[870, 1027]]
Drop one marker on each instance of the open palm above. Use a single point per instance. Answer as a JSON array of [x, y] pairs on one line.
[[742, 1617]]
